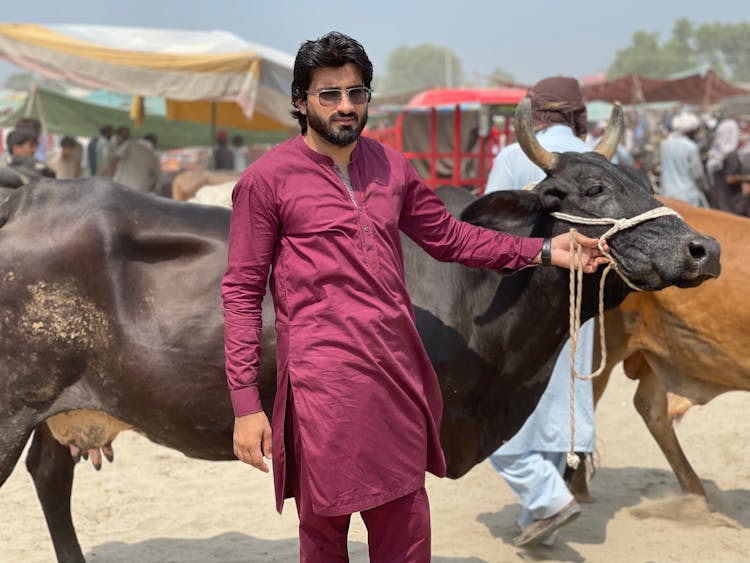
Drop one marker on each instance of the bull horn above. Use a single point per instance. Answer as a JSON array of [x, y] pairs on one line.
[[607, 145], [527, 139]]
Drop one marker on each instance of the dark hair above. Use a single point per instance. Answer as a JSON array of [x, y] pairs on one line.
[[68, 141], [19, 137], [333, 50], [238, 140], [151, 137], [106, 130], [30, 123]]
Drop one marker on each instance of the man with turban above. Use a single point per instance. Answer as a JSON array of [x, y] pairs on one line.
[[533, 461], [682, 175]]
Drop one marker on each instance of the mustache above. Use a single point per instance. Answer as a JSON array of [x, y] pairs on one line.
[[339, 115]]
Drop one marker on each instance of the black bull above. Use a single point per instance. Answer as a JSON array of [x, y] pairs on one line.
[[109, 301]]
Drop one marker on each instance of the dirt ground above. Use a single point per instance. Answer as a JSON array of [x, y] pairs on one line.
[[155, 505]]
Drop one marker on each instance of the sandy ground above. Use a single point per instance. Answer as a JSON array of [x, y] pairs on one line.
[[153, 504]]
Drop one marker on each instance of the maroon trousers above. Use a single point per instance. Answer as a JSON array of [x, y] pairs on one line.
[[397, 532]]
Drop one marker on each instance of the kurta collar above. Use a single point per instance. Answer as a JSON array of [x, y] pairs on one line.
[[315, 156]]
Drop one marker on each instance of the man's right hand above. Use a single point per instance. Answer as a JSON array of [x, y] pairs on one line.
[[252, 439]]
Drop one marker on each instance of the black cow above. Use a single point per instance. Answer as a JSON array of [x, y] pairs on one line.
[[110, 315]]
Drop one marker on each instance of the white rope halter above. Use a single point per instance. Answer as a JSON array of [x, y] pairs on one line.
[[576, 291]]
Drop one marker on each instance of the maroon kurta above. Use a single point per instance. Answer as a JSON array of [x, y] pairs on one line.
[[366, 396]]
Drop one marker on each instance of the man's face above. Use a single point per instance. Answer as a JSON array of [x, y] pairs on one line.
[[341, 123], [25, 150], [67, 152]]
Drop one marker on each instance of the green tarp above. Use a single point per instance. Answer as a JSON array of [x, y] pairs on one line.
[[64, 115]]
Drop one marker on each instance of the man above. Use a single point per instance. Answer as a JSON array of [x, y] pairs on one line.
[[682, 175], [358, 406], [33, 124], [533, 461], [22, 167], [241, 153], [723, 162], [122, 137], [222, 157], [67, 162], [136, 164], [99, 150], [34, 129]]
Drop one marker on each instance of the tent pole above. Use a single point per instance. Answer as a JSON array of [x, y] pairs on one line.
[[213, 123]]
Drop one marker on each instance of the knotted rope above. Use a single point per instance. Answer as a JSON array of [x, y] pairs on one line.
[[576, 292]]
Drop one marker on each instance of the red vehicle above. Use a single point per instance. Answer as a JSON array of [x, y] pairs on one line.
[[451, 135]]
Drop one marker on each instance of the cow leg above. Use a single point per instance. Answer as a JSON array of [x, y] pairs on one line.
[[14, 433], [51, 467], [651, 402]]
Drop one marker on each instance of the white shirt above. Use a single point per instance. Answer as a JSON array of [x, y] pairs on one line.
[[682, 175], [548, 427], [139, 167]]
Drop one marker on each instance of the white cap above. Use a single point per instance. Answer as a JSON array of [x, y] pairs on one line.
[[685, 122]]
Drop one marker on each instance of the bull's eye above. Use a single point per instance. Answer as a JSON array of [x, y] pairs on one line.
[[596, 189]]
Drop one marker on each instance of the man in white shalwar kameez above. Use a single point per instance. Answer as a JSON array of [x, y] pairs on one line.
[[533, 461]]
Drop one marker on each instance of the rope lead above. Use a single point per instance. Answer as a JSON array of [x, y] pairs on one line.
[[576, 296]]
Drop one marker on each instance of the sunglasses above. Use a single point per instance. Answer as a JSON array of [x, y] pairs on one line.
[[357, 95]]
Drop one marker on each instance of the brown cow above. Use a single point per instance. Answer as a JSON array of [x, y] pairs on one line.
[[685, 347]]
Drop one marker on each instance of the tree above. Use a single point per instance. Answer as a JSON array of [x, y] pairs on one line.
[[725, 47], [499, 77], [411, 69], [679, 53], [644, 56]]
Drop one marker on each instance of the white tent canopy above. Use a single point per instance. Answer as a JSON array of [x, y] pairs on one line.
[[250, 82]]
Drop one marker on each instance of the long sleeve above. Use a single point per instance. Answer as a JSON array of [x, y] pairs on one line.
[[425, 220], [253, 234]]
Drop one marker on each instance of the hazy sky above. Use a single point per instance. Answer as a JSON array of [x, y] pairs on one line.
[[529, 39]]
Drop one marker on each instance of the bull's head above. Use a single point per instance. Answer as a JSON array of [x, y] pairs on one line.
[[653, 254]]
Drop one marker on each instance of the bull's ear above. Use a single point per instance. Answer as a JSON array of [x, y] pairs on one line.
[[512, 211]]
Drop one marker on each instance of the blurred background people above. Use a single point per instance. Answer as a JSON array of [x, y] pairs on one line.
[[722, 164], [99, 150], [66, 163], [136, 164], [22, 166], [222, 157], [241, 153], [682, 174]]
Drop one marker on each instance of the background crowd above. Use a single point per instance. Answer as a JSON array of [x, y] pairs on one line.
[[702, 159], [112, 153]]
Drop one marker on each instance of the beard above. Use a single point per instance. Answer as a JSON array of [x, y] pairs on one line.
[[345, 135]]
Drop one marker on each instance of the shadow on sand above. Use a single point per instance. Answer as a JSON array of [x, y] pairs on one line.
[[646, 492], [231, 547]]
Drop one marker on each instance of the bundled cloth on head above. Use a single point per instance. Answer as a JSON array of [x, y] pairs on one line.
[[558, 101], [726, 140], [685, 122]]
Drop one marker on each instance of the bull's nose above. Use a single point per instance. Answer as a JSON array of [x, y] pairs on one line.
[[705, 253]]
